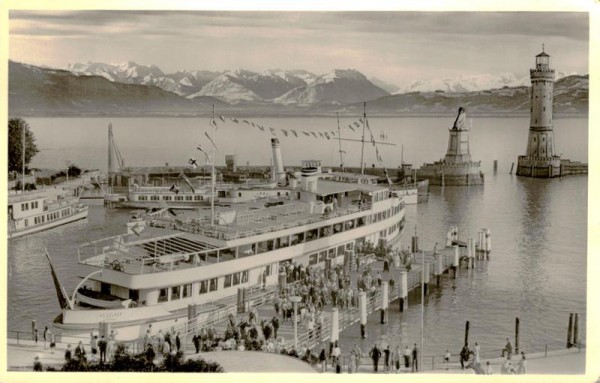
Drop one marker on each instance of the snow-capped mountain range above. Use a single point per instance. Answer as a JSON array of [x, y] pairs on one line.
[[289, 87], [472, 83]]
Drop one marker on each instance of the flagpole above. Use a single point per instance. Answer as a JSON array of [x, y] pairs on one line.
[[23, 182], [340, 141], [212, 173], [362, 150]]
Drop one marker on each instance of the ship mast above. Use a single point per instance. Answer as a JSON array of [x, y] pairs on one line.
[[212, 173], [362, 150], [340, 142], [23, 181]]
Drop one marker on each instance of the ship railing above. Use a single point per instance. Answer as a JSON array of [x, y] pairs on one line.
[[226, 233]]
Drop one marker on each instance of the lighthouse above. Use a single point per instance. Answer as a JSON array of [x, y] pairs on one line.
[[540, 160]]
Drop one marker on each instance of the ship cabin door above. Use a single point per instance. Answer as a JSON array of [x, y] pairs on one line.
[[105, 288]]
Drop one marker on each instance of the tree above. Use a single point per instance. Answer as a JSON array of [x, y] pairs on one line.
[[15, 144]]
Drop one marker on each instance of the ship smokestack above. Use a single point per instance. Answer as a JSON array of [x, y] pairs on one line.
[[278, 173]]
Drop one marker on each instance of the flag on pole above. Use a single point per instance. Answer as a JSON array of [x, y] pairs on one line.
[[222, 118], [294, 132], [193, 162]]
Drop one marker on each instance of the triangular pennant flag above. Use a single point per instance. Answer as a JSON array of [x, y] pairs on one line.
[[200, 148], [321, 134], [213, 122], [284, 132], [272, 131], [253, 124], [294, 132], [222, 118], [234, 120], [314, 134], [247, 122], [327, 135], [306, 133], [333, 133], [262, 128], [356, 124], [351, 127]]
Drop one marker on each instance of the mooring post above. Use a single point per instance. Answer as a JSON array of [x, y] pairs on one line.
[[576, 330], [425, 275], [384, 302], [467, 333], [362, 306], [570, 331], [516, 335], [456, 263], [403, 287], [33, 327]]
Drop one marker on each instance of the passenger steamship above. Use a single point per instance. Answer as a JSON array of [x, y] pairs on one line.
[[167, 264]]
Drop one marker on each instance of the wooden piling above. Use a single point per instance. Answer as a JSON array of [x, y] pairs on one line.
[[570, 331], [576, 330], [517, 335], [467, 333]]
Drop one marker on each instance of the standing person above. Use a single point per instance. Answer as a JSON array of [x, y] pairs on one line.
[[488, 368], [375, 354], [196, 342], [323, 360], [111, 345], [336, 354], [37, 364], [506, 367], [178, 341], [147, 339], [476, 356], [94, 346], [45, 334], [522, 366], [351, 362], [80, 352], [166, 350], [386, 358], [358, 355], [102, 346], [507, 349], [415, 359], [447, 359], [52, 341], [396, 359], [464, 355], [406, 357], [150, 354], [68, 353], [275, 323]]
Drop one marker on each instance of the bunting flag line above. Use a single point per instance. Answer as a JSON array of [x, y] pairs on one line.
[[294, 132], [285, 133], [210, 139], [314, 134]]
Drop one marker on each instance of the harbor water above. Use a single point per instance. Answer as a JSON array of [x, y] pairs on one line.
[[537, 270]]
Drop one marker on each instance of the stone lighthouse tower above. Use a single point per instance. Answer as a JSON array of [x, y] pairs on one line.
[[540, 160]]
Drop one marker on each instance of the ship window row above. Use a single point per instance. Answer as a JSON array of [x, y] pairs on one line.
[[235, 279], [333, 252], [171, 198], [29, 205]]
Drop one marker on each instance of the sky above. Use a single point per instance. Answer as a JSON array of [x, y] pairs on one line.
[[397, 47]]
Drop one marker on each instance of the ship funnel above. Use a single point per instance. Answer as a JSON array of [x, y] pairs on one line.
[[309, 179], [278, 173]]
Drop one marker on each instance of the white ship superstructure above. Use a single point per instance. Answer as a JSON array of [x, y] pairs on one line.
[[167, 264]]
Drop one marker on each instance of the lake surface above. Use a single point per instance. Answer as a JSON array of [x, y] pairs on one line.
[[537, 270]]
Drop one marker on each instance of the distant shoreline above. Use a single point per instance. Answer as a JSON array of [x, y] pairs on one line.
[[283, 115]]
